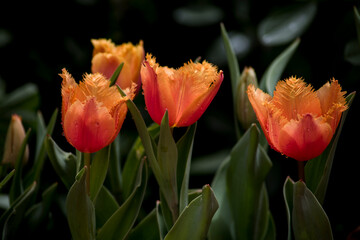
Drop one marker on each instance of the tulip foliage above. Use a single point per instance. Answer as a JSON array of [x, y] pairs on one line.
[[104, 191]]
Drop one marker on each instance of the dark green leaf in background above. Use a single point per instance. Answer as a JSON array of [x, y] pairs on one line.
[[286, 24], [274, 71]]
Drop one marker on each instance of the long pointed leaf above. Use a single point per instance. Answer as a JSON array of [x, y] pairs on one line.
[[11, 219], [184, 146], [310, 221], [80, 210], [273, 72], [63, 162], [98, 171], [120, 223], [234, 73], [194, 221], [248, 167]]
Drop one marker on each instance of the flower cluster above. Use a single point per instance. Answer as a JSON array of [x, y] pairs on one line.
[[93, 112]]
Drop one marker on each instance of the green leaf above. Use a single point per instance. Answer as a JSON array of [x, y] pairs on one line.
[[245, 180], [288, 193], [234, 72], [80, 210], [145, 138], [309, 219], [133, 160], [120, 223], [194, 221], [273, 72], [7, 178], [24, 97], [317, 170], [352, 52], [98, 171], [287, 24], [167, 157], [184, 147], [222, 223], [208, 164], [41, 132], [160, 221], [114, 169], [17, 185], [357, 23], [11, 218], [116, 74], [39, 213], [105, 206], [232, 60], [63, 162], [146, 229]]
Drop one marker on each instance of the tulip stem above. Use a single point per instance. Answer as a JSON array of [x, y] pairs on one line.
[[87, 165], [301, 170]]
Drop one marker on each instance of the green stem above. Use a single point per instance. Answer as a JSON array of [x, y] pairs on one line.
[[301, 170], [87, 164]]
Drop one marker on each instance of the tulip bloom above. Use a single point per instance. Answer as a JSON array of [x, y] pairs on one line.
[[92, 112], [185, 92], [298, 121], [107, 57]]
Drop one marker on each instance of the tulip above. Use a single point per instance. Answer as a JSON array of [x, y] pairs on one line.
[[92, 112], [107, 57], [185, 92], [298, 121], [14, 139]]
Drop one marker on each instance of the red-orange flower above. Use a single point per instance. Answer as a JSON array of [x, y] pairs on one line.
[[185, 92], [107, 57], [92, 112], [298, 121]]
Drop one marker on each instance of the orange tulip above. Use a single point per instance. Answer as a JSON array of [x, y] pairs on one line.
[[107, 57], [298, 121], [185, 92], [92, 112]]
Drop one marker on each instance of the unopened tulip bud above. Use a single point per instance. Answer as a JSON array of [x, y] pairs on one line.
[[14, 139], [245, 112]]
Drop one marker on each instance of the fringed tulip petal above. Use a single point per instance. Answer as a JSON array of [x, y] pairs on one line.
[[107, 57], [92, 112], [298, 121], [185, 92], [88, 126], [304, 139]]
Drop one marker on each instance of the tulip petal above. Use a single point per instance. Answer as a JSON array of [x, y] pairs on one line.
[[199, 85], [88, 126], [107, 57], [306, 138], [295, 98], [259, 101], [152, 93], [332, 102], [67, 90]]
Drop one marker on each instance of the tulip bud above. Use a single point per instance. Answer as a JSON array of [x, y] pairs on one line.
[[14, 139], [245, 112]]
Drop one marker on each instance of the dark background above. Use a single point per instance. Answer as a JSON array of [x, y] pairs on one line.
[[39, 38]]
